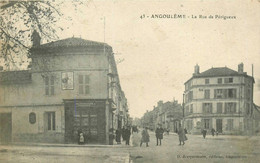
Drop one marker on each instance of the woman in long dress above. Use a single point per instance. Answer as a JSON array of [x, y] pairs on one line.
[[182, 136], [145, 137]]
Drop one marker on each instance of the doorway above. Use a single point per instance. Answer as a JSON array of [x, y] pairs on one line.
[[6, 127], [219, 125]]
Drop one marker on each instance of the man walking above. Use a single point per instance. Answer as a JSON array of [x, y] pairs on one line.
[[127, 135], [204, 133], [159, 134], [213, 131]]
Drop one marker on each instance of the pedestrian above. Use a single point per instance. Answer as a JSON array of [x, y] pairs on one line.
[[168, 131], [216, 133], [123, 133], [81, 138], [159, 134], [127, 135], [204, 133], [213, 131], [145, 137], [118, 136], [182, 136], [185, 131]]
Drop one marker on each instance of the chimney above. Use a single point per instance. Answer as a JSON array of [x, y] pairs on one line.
[[241, 68], [196, 69], [36, 39]]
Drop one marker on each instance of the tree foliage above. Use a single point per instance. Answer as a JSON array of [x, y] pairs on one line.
[[18, 20]]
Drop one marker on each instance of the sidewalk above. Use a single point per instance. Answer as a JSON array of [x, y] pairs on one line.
[[115, 145], [63, 145]]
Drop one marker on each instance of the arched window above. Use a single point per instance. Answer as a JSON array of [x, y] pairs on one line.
[[32, 118]]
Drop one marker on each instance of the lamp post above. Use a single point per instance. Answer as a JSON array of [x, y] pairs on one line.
[[183, 109]]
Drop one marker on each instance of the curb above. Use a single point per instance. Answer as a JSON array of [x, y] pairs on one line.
[[64, 145]]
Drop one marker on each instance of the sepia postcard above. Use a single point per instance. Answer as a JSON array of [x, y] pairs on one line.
[[132, 81]]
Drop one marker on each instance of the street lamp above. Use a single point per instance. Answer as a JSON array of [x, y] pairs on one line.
[[183, 110], [183, 105]]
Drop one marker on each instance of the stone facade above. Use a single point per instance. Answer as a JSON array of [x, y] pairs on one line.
[[168, 114], [71, 84], [219, 98]]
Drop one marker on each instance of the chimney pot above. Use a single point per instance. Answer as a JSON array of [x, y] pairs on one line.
[[241, 68]]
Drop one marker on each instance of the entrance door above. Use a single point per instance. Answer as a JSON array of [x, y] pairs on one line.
[[86, 120], [219, 125], [5, 127]]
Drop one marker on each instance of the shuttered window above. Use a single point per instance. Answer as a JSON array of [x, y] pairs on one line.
[[49, 85], [84, 81]]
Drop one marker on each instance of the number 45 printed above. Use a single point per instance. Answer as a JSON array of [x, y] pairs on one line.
[[142, 16]]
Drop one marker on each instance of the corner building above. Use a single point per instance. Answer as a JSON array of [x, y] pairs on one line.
[[219, 98], [71, 84]]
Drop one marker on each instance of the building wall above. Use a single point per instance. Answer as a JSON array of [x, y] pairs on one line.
[[23, 130], [22, 99], [244, 89]]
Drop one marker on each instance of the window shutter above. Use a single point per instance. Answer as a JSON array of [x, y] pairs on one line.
[[86, 79], [80, 79]]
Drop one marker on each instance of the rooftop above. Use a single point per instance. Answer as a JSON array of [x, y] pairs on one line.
[[218, 71]]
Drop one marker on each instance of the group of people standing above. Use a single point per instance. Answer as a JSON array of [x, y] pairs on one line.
[[159, 135], [125, 133], [213, 132], [146, 137]]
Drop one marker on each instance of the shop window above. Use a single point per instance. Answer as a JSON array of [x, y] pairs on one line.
[[32, 118]]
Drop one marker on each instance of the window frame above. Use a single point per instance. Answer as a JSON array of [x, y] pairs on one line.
[[230, 107], [206, 123], [219, 109], [49, 84], [207, 110], [230, 124], [207, 94], [50, 121], [84, 84], [207, 81], [220, 80]]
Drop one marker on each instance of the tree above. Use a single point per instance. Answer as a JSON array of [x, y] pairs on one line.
[[18, 21]]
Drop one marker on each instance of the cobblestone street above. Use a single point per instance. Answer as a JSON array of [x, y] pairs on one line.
[[196, 149]]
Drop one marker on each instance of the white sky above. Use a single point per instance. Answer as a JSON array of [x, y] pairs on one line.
[[160, 54]]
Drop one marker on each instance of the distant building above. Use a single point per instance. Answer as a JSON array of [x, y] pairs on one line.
[[168, 114], [72, 85], [219, 98]]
